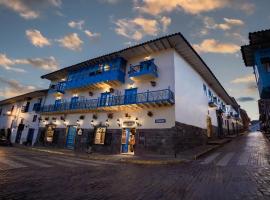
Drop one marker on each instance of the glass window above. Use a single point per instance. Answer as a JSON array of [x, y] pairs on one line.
[[100, 135]]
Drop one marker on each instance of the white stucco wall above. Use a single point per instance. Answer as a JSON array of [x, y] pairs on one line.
[[191, 102], [17, 116], [164, 61]]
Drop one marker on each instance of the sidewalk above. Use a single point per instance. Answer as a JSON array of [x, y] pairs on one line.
[[181, 157]]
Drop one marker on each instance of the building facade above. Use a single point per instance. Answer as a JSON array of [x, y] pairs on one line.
[[19, 117], [155, 97], [257, 55]]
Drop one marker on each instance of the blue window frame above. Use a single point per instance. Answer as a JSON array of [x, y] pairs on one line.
[[130, 96], [73, 102]]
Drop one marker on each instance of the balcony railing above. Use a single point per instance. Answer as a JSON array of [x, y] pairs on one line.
[[160, 97], [145, 70], [105, 76]]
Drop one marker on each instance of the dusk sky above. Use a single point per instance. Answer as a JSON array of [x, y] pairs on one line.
[[40, 36]]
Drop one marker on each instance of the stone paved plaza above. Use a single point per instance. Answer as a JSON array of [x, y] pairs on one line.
[[238, 170]]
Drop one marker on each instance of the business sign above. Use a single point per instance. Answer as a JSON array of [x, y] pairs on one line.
[[160, 121], [129, 123]]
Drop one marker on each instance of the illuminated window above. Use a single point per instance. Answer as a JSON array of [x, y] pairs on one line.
[[100, 135]]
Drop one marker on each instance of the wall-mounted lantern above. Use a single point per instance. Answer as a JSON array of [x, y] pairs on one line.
[[66, 123], [110, 115], [150, 114], [91, 94], [137, 122], [107, 123], [111, 90], [127, 115], [153, 83], [118, 122], [95, 116], [92, 123]]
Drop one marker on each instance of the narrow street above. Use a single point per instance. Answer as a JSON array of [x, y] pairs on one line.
[[238, 170]]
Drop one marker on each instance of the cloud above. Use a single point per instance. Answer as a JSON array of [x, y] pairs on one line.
[[228, 23], [245, 79], [36, 38], [110, 1], [20, 7], [91, 35], [13, 88], [251, 88], [71, 41], [49, 64], [156, 7], [165, 21], [78, 25], [139, 27], [25, 7], [214, 46], [234, 22], [245, 99], [248, 8], [8, 63]]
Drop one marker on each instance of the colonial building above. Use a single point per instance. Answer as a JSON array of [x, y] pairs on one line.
[[19, 120], [155, 97], [257, 55]]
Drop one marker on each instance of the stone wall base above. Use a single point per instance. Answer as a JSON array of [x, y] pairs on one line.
[[148, 141]]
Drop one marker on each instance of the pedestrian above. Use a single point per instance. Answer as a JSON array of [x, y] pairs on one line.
[[132, 142]]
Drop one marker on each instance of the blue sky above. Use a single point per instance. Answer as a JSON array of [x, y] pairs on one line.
[[38, 37]]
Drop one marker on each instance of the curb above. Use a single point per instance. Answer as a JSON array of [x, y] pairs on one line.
[[203, 153]]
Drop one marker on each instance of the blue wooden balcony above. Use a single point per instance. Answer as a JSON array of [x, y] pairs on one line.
[[212, 101], [101, 75], [262, 72], [105, 78], [146, 70], [147, 99]]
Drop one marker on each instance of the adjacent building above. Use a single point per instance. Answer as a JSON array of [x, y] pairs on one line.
[[19, 117], [155, 97], [257, 55]]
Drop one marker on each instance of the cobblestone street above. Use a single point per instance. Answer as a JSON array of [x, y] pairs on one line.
[[238, 170]]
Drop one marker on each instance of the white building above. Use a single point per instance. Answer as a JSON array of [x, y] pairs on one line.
[[19, 119], [159, 95]]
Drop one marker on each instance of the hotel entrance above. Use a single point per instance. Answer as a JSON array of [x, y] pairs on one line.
[[128, 141]]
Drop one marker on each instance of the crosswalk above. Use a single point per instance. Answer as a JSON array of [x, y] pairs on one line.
[[16, 162], [235, 159]]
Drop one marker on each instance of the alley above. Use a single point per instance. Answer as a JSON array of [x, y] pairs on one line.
[[239, 170]]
